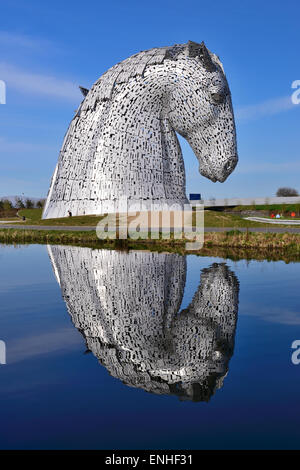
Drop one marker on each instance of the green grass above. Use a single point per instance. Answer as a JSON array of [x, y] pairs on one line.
[[211, 219], [223, 219], [33, 217], [32, 214], [282, 208], [10, 219]]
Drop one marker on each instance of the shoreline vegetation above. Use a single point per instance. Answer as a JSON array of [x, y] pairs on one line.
[[232, 244]]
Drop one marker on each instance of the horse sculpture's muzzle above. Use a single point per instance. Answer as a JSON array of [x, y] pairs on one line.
[[216, 149], [215, 169], [215, 163]]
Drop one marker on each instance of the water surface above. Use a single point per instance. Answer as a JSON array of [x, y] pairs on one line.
[[114, 350]]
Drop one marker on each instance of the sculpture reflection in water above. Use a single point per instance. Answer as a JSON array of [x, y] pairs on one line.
[[127, 307]]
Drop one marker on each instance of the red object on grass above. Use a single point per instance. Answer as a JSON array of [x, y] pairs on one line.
[[293, 214]]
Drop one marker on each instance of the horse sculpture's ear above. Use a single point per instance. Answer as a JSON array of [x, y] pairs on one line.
[[200, 50], [84, 91]]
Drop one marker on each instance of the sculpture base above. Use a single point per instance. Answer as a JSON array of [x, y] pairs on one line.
[[60, 209]]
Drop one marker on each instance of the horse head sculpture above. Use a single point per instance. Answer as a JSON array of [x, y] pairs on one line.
[[127, 307], [201, 111], [122, 140]]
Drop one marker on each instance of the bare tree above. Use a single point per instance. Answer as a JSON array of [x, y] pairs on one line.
[[19, 204]]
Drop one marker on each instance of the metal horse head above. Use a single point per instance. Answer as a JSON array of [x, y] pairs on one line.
[[122, 140], [201, 111]]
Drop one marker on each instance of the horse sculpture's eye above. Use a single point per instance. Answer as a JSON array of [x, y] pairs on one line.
[[218, 98]]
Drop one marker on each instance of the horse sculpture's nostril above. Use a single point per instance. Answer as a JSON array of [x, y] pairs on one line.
[[230, 165], [227, 166]]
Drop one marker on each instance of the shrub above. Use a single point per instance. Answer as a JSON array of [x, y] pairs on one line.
[[6, 204], [286, 192], [29, 204], [40, 204]]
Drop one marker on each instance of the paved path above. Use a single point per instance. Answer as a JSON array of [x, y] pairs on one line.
[[8, 221], [86, 228], [273, 221]]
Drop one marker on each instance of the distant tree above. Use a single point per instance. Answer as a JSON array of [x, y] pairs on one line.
[[40, 203], [286, 192], [19, 204], [6, 204], [29, 204]]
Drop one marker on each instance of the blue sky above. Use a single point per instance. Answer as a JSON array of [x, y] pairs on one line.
[[49, 48]]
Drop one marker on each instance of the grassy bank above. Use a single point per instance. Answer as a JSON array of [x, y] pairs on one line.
[[285, 209], [8, 213], [249, 245]]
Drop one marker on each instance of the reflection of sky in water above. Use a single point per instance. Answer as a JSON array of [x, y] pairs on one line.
[[54, 395]]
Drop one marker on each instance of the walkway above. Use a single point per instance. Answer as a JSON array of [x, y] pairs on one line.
[[273, 221], [86, 228]]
